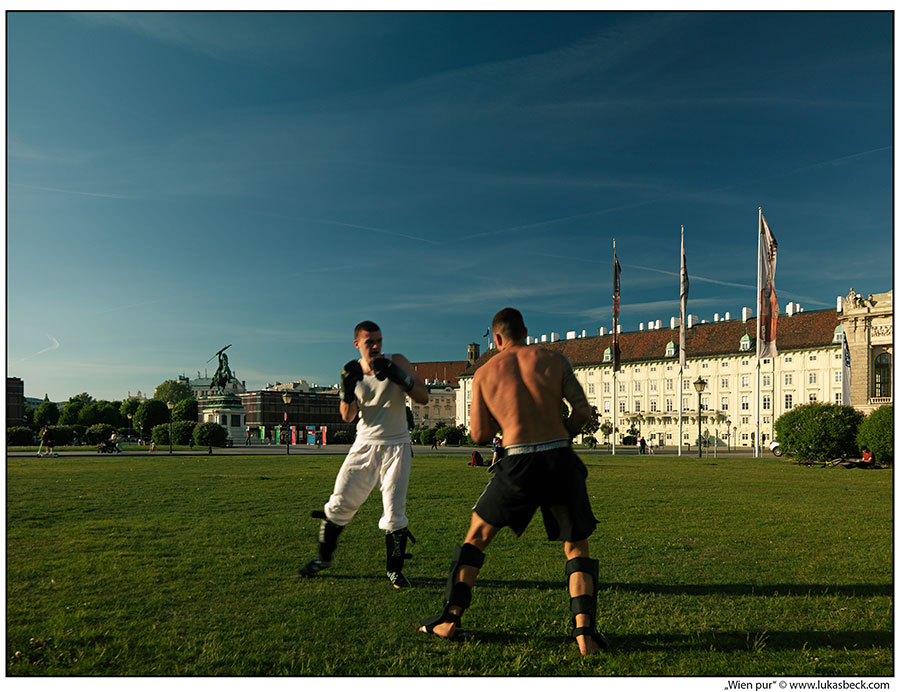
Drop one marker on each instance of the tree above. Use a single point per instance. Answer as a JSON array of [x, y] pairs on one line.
[[173, 390], [129, 406], [606, 428], [100, 412], [593, 424], [150, 414], [99, 432], [210, 435], [877, 433], [818, 431], [185, 410], [47, 414]]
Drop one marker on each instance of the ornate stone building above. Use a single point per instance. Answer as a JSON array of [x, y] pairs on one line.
[[869, 325], [645, 392]]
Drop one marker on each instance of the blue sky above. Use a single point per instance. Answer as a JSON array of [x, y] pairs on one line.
[[182, 181]]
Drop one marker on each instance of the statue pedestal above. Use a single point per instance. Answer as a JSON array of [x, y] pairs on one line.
[[228, 411]]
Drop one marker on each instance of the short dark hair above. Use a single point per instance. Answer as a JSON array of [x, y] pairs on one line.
[[510, 324], [365, 326]]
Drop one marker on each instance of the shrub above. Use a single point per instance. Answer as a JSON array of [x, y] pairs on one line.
[[819, 432], [343, 437], [19, 436], [428, 436], [183, 431], [160, 434], [415, 436], [62, 435], [150, 414], [877, 433], [452, 435], [210, 435], [99, 432]]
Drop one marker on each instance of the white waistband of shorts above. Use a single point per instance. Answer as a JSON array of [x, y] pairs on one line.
[[537, 447]]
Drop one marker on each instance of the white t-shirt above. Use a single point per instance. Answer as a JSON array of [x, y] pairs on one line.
[[382, 411]]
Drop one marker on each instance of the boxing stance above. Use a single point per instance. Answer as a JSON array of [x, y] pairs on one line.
[[519, 391], [376, 387]]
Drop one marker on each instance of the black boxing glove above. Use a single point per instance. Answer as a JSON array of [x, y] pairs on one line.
[[385, 368], [350, 375]]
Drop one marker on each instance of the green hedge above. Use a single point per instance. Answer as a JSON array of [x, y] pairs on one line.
[[818, 431], [19, 436], [877, 433]]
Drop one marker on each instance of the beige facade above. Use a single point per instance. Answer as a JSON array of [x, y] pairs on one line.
[[868, 323], [440, 409], [645, 393]]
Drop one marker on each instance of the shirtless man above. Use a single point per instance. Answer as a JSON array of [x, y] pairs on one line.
[[375, 387], [519, 392]]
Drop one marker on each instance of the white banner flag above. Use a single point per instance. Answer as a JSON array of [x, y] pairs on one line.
[[682, 331]]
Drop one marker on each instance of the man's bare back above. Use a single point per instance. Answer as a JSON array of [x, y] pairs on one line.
[[522, 388]]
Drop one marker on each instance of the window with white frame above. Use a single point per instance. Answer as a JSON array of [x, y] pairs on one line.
[[723, 383], [837, 376], [745, 380], [724, 405], [767, 402], [837, 397], [788, 402], [766, 380], [788, 378], [637, 405], [652, 385], [670, 384], [622, 406], [637, 386], [653, 405], [813, 377], [606, 406], [704, 403], [745, 403], [669, 405]]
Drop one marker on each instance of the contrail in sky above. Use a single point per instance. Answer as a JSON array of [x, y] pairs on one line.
[[72, 192], [54, 344]]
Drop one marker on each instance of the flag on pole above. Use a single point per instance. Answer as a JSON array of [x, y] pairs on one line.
[[845, 371], [685, 284], [767, 301], [617, 270]]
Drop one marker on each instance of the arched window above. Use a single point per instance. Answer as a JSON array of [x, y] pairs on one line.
[[882, 380]]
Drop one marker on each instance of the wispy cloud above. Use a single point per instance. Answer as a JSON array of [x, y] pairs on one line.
[[83, 193], [126, 307]]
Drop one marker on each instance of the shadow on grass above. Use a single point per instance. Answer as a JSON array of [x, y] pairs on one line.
[[668, 589], [706, 641]]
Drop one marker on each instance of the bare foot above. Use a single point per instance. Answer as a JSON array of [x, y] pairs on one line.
[[445, 630], [586, 644]]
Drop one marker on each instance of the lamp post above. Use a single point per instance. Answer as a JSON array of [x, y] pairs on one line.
[[699, 385], [286, 398], [171, 405], [728, 432]]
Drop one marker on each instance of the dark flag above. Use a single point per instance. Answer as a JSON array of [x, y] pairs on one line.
[[767, 302], [617, 270], [685, 284]]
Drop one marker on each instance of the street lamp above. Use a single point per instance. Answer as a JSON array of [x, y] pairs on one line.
[[699, 385], [286, 398], [171, 405], [728, 430]]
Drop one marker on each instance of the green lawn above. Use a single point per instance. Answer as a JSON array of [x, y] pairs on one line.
[[185, 566]]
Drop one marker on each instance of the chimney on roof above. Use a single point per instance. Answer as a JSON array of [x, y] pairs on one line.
[[840, 304], [789, 310], [602, 331], [641, 327], [673, 322], [571, 335], [618, 328], [472, 352], [727, 316], [746, 314], [583, 333], [691, 320], [716, 317], [659, 324], [554, 336], [543, 338]]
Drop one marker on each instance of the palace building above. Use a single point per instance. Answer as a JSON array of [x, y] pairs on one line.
[[646, 391]]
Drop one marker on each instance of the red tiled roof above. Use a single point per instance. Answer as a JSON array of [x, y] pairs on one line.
[[442, 370], [802, 330]]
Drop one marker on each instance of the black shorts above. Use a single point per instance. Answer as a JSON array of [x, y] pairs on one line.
[[553, 480]]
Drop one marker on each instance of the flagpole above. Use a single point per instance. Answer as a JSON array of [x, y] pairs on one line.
[[615, 388], [758, 324], [682, 342]]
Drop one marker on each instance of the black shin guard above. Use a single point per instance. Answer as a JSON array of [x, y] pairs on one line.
[[328, 535], [585, 604], [395, 542], [458, 593]]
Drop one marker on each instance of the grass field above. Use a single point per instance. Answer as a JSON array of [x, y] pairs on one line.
[[185, 566]]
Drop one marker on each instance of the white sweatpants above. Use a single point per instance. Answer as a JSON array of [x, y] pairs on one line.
[[368, 466]]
